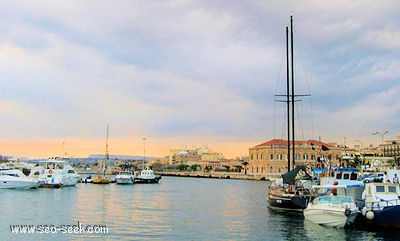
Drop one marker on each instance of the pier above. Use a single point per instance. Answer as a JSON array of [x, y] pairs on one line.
[[220, 175]]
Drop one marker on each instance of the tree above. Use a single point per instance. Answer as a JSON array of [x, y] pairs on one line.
[[357, 162], [196, 167], [182, 167]]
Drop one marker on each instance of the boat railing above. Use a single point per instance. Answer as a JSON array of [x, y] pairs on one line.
[[379, 205]]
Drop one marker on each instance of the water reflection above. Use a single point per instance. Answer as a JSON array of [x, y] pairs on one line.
[[175, 209]]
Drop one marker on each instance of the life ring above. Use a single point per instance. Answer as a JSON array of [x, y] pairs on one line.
[[50, 171], [98, 177]]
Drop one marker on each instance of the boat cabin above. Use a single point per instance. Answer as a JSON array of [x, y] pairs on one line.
[[379, 195]]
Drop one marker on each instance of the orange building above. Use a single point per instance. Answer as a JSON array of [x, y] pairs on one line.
[[270, 158]]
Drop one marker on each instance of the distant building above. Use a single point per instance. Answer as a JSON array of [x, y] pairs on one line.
[[194, 155], [270, 158], [392, 148]]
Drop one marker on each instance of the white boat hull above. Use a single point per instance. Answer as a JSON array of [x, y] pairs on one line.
[[64, 181], [324, 217], [17, 183]]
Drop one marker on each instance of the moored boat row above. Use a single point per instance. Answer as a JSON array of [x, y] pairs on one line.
[[128, 177], [380, 206], [57, 173]]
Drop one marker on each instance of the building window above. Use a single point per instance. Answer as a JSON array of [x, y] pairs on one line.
[[312, 156], [305, 156], [252, 157], [297, 156], [271, 169], [261, 156], [271, 156], [279, 169], [279, 156]]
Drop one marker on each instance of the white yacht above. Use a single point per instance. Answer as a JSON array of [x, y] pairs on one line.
[[15, 179], [125, 177], [147, 176], [55, 172], [338, 211]]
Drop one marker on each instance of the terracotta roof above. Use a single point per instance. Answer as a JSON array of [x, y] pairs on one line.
[[283, 143]]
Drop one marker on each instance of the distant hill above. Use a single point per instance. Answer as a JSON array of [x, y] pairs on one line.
[[119, 157]]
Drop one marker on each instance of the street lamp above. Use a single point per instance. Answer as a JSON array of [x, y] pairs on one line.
[[144, 151], [380, 134], [63, 153]]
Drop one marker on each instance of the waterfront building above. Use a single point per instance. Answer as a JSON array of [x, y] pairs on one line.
[[392, 149], [270, 158], [195, 155]]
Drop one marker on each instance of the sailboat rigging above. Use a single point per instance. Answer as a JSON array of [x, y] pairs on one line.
[[284, 194], [102, 179]]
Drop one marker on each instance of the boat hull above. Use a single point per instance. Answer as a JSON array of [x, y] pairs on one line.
[[147, 180], [288, 203], [331, 218], [62, 181], [18, 184], [387, 217], [101, 180]]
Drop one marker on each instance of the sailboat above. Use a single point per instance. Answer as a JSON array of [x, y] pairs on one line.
[[289, 193], [102, 179]]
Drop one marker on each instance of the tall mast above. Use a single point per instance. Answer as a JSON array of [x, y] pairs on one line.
[[107, 155], [287, 98], [292, 63]]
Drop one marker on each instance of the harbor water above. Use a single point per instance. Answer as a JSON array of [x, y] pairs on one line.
[[178, 208]]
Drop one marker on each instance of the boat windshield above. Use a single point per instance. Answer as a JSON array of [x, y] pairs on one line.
[[334, 199]]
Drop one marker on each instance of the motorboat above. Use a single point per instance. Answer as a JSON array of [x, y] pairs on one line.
[[338, 211], [55, 172], [125, 177], [147, 176], [87, 179], [380, 206], [15, 179], [101, 179]]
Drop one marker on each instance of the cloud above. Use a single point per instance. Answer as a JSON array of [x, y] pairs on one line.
[[181, 71]]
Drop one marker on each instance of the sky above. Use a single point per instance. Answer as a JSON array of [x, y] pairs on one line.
[[191, 73]]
